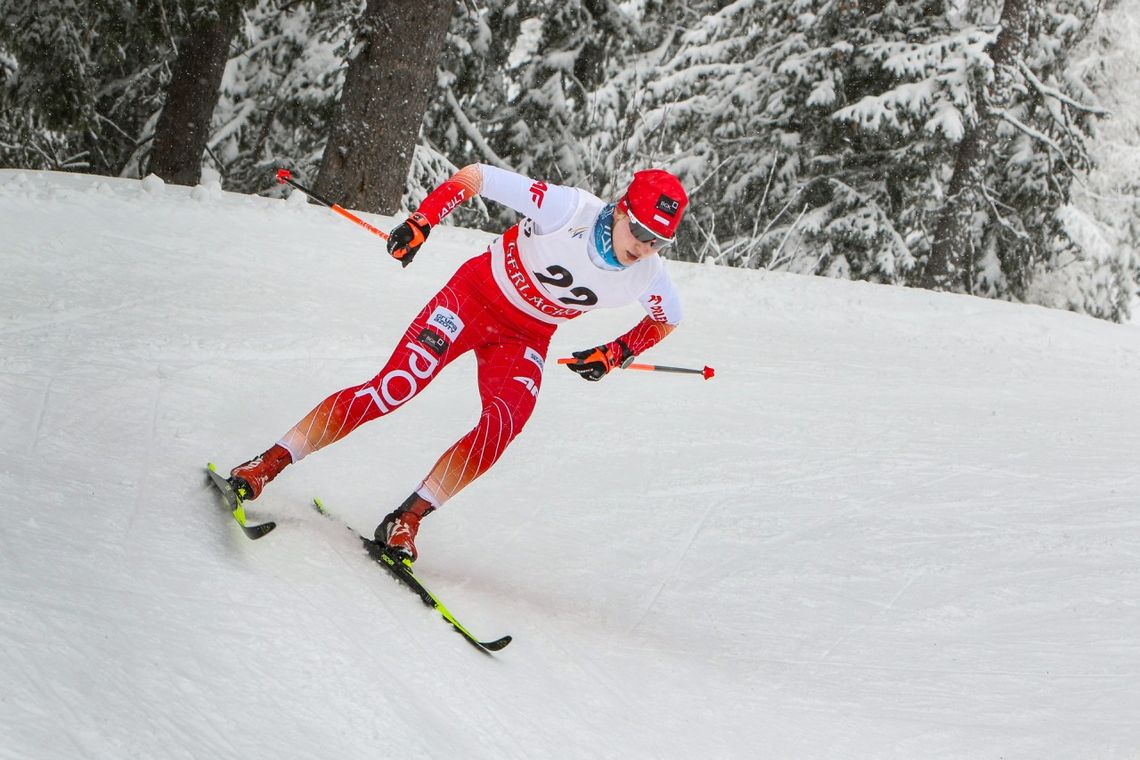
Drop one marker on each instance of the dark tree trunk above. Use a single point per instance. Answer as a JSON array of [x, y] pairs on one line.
[[184, 125], [386, 90], [952, 255], [589, 67]]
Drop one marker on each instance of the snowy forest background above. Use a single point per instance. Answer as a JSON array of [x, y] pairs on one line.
[[980, 146]]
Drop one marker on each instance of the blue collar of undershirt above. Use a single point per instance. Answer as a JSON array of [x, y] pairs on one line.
[[604, 237]]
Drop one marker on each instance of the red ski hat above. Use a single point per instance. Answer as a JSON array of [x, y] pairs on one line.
[[656, 200]]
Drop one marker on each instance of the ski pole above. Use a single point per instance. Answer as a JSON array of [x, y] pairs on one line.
[[286, 176], [707, 372]]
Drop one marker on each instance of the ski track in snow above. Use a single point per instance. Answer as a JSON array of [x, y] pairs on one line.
[[896, 524]]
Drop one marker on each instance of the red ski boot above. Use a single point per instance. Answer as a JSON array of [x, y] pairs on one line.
[[398, 530], [248, 479]]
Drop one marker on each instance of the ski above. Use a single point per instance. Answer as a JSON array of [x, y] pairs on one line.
[[401, 569], [236, 506]]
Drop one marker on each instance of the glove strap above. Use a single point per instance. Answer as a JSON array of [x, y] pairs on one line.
[[623, 356], [421, 226]]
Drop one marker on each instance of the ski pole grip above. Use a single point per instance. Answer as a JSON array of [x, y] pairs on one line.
[[283, 176]]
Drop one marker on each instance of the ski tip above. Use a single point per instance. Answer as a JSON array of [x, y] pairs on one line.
[[496, 645], [259, 531]]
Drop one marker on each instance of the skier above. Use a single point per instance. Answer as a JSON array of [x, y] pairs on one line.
[[571, 253]]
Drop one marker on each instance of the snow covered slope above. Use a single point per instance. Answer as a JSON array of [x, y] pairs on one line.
[[895, 525]]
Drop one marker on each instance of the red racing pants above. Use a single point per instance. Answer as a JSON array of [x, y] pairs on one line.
[[468, 314]]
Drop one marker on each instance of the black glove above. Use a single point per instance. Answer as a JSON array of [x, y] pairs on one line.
[[594, 363], [405, 240]]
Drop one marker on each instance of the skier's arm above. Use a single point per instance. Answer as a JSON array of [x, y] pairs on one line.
[[549, 206], [405, 240], [663, 305]]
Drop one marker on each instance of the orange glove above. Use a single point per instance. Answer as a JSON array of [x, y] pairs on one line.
[[405, 240], [595, 363]]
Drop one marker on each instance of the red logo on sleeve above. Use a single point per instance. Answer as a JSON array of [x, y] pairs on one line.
[[538, 193]]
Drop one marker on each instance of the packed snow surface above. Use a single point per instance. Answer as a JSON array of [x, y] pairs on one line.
[[896, 524]]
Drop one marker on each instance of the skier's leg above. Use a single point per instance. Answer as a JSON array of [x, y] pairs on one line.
[[510, 376], [433, 339], [422, 353]]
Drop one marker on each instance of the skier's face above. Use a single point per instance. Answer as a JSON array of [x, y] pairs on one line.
[[629, 249]]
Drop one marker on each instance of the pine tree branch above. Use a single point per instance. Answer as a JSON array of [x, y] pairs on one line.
[[712, 174], [776, 260], [1013, 121], [235, 122], [116, 127], [1052, 92], [472, 132], [994, 203], [710, 242], [764, 197]]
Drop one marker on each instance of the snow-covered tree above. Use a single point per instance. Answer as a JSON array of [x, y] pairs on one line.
[[1023, 149], [390, 77], [822, 135], [183, 126], [530, 84], [958, 247], [80, 78], [815, 136], [1102, 278], [279, 92], [742, 103], [82, 84]]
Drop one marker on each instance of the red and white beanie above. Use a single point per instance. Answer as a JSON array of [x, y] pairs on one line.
[[657, 200]]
